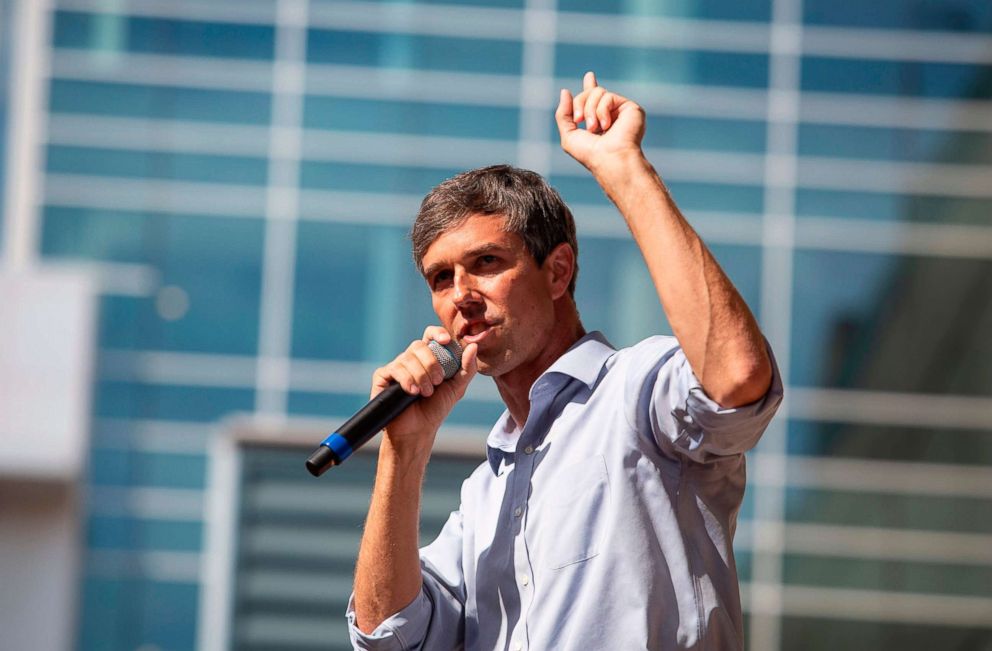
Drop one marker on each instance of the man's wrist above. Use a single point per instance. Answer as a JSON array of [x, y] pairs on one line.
[[620, 167], [407, 461]]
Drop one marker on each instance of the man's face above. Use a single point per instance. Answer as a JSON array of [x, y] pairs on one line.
[[487, 289]]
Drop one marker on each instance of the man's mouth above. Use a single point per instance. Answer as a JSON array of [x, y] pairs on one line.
[[474, 332]]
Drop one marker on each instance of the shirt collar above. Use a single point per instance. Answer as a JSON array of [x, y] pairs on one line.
[[584, 361]]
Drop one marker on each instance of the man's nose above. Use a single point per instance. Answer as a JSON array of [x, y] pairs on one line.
[[464, 287]]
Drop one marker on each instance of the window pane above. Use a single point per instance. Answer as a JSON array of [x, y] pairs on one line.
[[889, 206], [113, 32], [887, 575], [615, 293], [662, 65], [137, 401], [394, 50], [713, 9], [170, 102], [892, 323], [890, 442], [924, 512], [690, 195], [371, 178], [134, 613], [915, 145], [945, 16], [214, 261], [157, 165], [819, 634], [381, 116], [907, 78], [678, 132]]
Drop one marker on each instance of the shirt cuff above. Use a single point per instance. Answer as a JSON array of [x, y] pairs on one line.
[[400, 632], [703, 423]]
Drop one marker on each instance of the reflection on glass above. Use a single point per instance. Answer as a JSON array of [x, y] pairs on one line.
[[903, 78], [892, 323]]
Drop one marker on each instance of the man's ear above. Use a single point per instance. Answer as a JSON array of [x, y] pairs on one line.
[[560, 267]]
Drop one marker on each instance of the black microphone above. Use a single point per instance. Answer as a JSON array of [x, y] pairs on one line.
[[378, 413]]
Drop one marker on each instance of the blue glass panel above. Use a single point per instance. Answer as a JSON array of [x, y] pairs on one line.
[[164, 402], [891, 323], [711, 9], [162, 36], [372, 178], [143, 535], [905, 78], [689, 195], [916, 145], [615, 294], [104, 98], [825, 634], [381, 116], [946, 15], [890, 442], [509, 4], [120, 613], [887, 575], [394, 50], [218, 265], [332, 280], [358, 296], [157, 165], [858, 508], [662, 65], [703, 133], [216, 261], [887, 206], [116, 467]]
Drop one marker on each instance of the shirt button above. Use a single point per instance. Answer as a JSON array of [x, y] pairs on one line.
[[529, 449], [524, 580], [518, 647], [517, 511]]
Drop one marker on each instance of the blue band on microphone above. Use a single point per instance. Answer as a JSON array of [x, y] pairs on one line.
[[338, 445]]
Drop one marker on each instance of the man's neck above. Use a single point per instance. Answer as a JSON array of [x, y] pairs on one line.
[[514, 386]]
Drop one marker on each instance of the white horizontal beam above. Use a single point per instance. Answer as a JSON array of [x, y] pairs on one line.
[[160, 436], [164, 566], [882, 407], [868, 605], [907, 238], [147, 503]]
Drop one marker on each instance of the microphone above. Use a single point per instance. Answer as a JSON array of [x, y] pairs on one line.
[[378, 413]]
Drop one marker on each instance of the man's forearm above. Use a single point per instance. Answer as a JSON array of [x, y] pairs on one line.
[[387, 575], [717, 331]]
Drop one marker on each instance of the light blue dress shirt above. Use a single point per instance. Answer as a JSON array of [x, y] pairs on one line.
[[606, 523]]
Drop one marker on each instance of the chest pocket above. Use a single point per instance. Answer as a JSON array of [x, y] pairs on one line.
[[574, 513]]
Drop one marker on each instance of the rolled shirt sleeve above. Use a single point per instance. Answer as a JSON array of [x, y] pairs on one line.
[[684, 421], [434, 620]]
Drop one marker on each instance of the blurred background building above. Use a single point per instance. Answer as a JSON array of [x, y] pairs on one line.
[[218, 192]]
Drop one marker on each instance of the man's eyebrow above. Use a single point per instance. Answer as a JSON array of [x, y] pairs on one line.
[[482, 249]]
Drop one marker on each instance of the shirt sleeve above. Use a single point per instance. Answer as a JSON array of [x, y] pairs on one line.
[[683, 420], [434, 620]]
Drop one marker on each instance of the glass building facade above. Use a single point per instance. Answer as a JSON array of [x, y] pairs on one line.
[[241, 175]]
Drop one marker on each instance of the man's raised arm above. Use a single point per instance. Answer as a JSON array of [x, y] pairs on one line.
[[714, 326]]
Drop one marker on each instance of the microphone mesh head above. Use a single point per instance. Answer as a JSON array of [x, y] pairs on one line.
[[448, 356]]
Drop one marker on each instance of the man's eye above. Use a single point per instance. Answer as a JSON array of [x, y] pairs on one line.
[[441, 278], [488, 259]]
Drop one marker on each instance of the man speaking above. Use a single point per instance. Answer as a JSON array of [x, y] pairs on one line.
[[604, 516]]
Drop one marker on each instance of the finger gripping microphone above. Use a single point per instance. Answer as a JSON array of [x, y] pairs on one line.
[[378, 413]]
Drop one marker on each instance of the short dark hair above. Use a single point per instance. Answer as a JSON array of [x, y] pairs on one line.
[[530, 207]]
